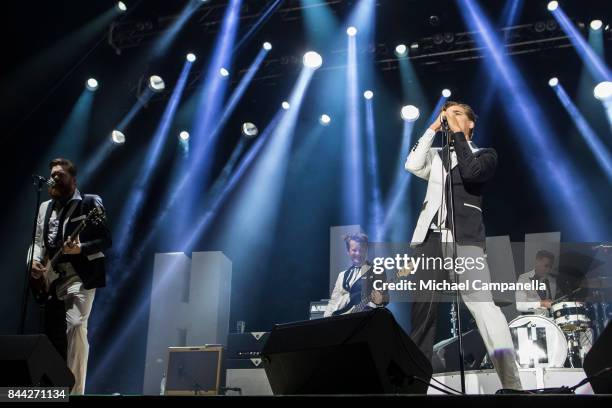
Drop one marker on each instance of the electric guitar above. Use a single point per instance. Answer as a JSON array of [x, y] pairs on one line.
[[41, 286], [361, 302]]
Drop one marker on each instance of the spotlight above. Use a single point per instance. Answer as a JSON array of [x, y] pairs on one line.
[[410, 113], [603, 90], [224, 72], [121, 6], [117, 137], [434, 21], [91, 84], [368, 94], [554, 81], [191, 57], [156, 83], [285, 105], [414, 46], [184, 136], [249, 130], [312, 60], [596, 25], [401, 50], [324, 120], [446, 93], [553, 5], [449, 38], [351, 31], [267, 46]]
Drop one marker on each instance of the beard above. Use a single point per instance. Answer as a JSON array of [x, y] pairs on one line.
[[60, 190]]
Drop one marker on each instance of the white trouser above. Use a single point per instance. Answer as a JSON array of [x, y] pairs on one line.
[[491, 322], [78, 303]]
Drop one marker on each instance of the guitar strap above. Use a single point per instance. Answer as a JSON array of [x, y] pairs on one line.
[[69, 275]]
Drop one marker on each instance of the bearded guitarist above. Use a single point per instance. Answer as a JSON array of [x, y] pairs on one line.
[[78, 270]]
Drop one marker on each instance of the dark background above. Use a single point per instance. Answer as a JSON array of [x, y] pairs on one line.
[[43, 72]]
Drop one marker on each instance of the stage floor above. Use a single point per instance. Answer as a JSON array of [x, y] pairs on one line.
[[486, 381]]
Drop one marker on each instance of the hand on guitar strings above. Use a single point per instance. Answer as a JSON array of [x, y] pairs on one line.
[[72, 247], [38, 270]]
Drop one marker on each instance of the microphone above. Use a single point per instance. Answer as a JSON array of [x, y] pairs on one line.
[[444, 123], [447, 131], [43, 180]]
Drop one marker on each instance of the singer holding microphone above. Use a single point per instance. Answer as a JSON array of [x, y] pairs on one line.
[[454, 222], [81, 266]]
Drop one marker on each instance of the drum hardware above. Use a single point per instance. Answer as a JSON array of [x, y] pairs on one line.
[[573, 342]]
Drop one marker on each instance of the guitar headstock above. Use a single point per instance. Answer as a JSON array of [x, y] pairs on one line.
[[96, 216]]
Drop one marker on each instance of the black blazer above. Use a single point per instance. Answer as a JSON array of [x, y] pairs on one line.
[[473, 171], [94, 239]]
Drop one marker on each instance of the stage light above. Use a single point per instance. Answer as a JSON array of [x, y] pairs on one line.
[[410, 113], [603, 91], [324, 120], [184, 136], [368, 94], [117, 137], [224, 72], [191, 57], [553, 5], [446, 93], [553, 81], [596, 25], [286, 105], [351, 31], [121, 6], [312, 60], [267, 46], [249, 130], [156, 83], [401, 50], [91, 84], [414, 46]]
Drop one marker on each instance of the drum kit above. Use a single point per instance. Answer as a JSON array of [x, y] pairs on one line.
[[563, 338]]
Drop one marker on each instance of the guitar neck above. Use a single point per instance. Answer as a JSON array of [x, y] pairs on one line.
[[72, 237]]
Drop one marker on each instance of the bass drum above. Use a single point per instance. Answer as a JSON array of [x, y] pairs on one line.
[[538, 342]]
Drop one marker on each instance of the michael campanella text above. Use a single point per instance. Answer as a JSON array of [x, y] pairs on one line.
[[467, 285]]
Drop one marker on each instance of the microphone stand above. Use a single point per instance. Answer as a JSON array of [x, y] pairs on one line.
[[38, 183], [457, 302]]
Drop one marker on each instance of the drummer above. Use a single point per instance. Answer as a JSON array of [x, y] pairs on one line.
[[538, 301]]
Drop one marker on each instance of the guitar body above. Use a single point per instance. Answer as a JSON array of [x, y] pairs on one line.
[[41, 286]]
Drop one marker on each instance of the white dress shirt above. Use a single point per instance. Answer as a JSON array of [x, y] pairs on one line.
[[528, 301]]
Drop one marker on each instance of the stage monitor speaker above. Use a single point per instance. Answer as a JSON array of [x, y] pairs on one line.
[[360, 353], [31, 360], [599, 358]]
